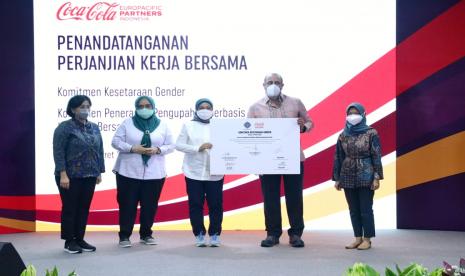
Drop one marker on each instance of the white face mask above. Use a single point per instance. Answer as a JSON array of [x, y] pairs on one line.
[[272, 91], [354, 119], [83, 114], [204, 114], [145, 113]]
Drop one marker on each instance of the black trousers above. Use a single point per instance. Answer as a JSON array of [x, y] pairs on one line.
[[197, 192], [131, 192], [75, 204], [271, 185], [360, 201]]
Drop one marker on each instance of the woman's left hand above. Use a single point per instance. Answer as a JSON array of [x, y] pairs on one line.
[[375, 185], [99, 180], [155, 150]]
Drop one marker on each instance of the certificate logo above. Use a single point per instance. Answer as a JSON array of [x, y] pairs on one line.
[[259, 125], [247, 125]]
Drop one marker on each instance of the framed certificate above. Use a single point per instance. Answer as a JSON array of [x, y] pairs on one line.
[[255, 146]]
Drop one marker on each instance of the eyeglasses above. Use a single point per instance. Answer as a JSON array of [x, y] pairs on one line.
[[141, 106], [273, 82]]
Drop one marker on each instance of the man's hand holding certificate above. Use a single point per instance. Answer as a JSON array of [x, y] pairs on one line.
[[255, 146]]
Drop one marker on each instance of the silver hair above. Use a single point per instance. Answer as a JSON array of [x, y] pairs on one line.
[[271, 75]]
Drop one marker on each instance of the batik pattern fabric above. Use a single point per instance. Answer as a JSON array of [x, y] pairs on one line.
[[78, 149], [357, 161]]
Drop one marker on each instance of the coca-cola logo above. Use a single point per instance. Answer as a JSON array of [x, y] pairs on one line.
[[98, 11]]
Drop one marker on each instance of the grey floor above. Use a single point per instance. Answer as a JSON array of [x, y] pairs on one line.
[[240, 253]]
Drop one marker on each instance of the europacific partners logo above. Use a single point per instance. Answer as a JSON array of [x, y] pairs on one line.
[[106, 11]]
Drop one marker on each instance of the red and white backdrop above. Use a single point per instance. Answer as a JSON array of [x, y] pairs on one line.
[[329, 53], [404, 61]]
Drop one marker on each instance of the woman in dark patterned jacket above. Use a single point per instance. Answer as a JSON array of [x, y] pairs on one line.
[[78, 155], [358, 169]]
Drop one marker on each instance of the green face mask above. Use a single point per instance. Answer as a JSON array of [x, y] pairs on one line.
[[145, 113]]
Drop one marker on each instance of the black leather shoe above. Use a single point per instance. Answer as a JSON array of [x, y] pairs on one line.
[[85, 246], [296, 241], [270, 241]]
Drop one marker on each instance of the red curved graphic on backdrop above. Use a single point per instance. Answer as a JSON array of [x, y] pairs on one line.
[[173, 188]]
